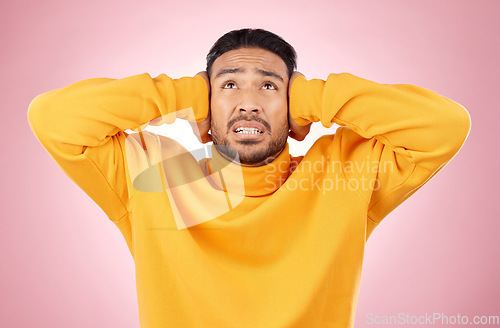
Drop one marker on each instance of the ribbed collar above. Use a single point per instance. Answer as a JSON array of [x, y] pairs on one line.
[[250, 181]]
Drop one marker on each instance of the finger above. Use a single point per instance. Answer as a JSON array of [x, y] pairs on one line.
[[299, 136], [294, 136], [206, 138], [307, 129], [201, 132]]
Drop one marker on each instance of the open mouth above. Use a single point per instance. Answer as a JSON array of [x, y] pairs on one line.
[[248, 130]]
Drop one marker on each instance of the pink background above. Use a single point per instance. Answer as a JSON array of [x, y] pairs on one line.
[[64, 264]]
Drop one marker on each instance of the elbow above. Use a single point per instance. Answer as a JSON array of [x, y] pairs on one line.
[[462, 126], [39, 114], [35, 113], [456, 128]]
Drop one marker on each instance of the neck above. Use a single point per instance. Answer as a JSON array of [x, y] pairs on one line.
[[252, 180]]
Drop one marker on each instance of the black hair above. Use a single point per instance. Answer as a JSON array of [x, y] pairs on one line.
[[253, 38]]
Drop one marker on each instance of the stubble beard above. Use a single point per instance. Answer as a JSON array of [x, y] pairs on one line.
[[248, 156]]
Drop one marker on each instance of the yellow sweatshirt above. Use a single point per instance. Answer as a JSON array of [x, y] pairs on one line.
[[288, 252]]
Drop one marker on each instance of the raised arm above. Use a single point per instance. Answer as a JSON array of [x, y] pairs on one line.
[[414, 128], [82, 127]]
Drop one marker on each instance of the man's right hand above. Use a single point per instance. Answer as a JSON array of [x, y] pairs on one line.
[[202, 129]]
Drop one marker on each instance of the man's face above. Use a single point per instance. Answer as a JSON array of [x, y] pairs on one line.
[[249, 105]]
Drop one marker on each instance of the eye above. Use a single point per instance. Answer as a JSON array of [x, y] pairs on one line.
[[270, 86], [228, 85]]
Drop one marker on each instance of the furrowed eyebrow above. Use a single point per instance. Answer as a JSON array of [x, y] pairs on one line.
[[229, 71], [241, 70], [269, 73]]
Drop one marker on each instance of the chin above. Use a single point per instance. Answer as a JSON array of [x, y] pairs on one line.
[[257, 155], [250, 152]]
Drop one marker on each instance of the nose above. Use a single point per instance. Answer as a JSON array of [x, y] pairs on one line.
[[249, 103], [255, 110]]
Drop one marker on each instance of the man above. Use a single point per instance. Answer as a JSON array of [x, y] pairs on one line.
[[251, 236]]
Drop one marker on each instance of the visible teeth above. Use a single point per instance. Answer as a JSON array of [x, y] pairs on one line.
[[248, 130]]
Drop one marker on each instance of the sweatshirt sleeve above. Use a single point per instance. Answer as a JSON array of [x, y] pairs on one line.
[[415, 129], [82, 127]]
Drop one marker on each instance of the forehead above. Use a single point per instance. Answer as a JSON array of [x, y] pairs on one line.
[[250, 58]]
